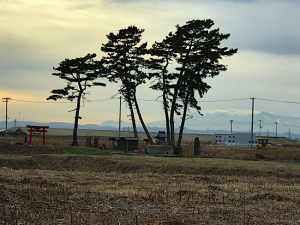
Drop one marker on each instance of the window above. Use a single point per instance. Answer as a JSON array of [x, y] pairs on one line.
[[229, 136], [232, 141], [219, 140], [233, 136], [229, 141], [219, 136]]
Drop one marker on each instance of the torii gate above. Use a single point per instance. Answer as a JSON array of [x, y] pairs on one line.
[[37, 129]]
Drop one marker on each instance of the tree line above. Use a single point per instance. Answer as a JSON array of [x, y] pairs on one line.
[[194, 49]]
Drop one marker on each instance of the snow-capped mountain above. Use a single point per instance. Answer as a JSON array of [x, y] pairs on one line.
[[219, 120]]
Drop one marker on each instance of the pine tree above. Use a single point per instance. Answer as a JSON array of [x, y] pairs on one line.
[[79, 73], [125, 62], [195, 48]]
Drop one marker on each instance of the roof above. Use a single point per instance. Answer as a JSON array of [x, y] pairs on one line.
[[161, 134]]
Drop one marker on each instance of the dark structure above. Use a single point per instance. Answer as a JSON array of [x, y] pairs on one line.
[[197, 147], [88, 142], [161, 138], [96, 142], [125, 143]]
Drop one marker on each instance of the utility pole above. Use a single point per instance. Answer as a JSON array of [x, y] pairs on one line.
[[120, 118], [6, 100], [119, 125], [231, 126], [289, 133], [276, 131], [260, 126], [252, 122]]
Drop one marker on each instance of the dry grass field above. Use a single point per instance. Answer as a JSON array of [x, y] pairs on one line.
[[52, 185], [82, 133]]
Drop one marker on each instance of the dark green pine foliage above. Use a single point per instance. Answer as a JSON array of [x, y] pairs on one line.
[[197, 52], [79, 73], [125, 63]]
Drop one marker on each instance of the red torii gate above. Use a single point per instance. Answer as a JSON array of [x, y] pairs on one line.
[[37, 129]]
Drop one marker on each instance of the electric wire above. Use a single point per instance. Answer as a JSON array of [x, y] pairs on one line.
[[155, 100], [226, 100], [20, 100], [271, 100]]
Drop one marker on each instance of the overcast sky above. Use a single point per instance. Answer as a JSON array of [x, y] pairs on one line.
[[36, 35]]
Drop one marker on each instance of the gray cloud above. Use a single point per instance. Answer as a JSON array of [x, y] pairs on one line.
[[265, 26], [269, 26], [82, 6]]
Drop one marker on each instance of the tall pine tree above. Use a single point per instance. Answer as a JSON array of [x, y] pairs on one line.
[[125, 62], [195, 47], [79, 73]]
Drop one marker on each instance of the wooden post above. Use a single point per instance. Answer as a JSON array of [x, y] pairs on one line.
[[30, 136], [43, 136]]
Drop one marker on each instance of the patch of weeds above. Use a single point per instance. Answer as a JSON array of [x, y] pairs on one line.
[[79, 150]]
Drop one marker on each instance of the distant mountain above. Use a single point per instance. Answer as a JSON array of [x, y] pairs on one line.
[[56, 125], [219, 121], [242, 121], [211, 122], [112, 123]]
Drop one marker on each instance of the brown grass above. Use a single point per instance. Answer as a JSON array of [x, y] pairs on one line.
[[149, 190], [120, 189]]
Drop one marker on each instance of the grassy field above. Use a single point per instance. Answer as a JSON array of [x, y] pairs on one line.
[[82, 133], [60, 184]]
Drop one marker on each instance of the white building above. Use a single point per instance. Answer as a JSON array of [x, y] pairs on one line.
[[234, 138]]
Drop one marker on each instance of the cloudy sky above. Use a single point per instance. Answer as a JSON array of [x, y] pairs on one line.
[[37, 34]]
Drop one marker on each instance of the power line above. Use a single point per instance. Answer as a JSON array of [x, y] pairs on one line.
[[19, 100], [102, 100], [270, 100], [155, 100], [226, 100]]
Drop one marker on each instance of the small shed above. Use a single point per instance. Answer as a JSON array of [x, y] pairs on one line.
[[126, 143], [161, 138]]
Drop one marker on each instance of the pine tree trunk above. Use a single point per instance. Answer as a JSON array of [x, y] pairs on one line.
[[132, 118], [75, 143], [166, 104], [175, 99], [183, 120], [167, 120], [172, 118], [142, 121]]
